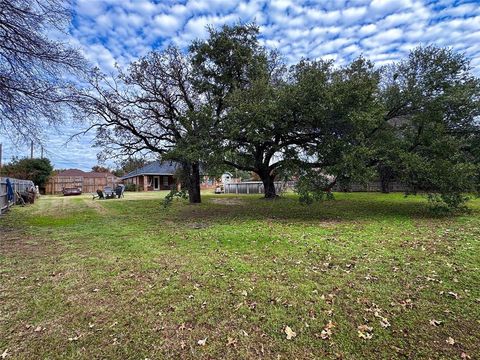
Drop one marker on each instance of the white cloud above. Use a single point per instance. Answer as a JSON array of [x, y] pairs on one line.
[[165, 24], [383, 37], [367, 29], [385, 7], [101, 57], [461, 10], [353, 14], [351, 49]]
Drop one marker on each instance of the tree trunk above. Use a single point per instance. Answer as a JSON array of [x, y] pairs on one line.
[[385, 177], [192, 181], [385, 184], [194, 190], [268, 185]]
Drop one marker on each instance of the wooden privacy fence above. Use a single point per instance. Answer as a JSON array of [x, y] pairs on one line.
[[18, 186], [250, 187], [88, 184]]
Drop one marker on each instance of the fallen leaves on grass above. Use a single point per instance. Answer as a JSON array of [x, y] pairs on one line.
[[202, 342], [376, 310], [451, 294], [328, 299], [231, 341], [406, 304], [327, 331], [384, 323], [434, 322], [383, 320], [290, 333], [450, 341], [365, 332], [4, 354], [74, 338], [369, 277]]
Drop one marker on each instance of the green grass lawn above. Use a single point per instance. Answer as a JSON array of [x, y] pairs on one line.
[[366, 276]]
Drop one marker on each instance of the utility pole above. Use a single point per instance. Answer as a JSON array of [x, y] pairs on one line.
[[31, 149], [1, 155], [41, 157]]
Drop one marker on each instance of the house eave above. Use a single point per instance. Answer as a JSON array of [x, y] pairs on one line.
[[146, 174]]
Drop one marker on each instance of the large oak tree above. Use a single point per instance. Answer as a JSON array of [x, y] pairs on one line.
[[153, 107], [274, 121]]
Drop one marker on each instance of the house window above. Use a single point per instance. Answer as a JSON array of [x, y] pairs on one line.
[[165, 181]]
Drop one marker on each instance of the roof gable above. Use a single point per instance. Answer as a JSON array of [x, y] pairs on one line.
[[71, 172]]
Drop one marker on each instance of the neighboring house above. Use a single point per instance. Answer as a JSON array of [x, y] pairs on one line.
[[159, 175], [155, 176], [88, 182]]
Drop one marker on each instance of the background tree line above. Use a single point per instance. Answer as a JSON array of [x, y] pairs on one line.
[[37, 169], [228, 101]]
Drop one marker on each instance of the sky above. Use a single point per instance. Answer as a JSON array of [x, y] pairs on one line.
[[119, 31]]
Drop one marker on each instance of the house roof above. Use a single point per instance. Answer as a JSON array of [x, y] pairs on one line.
[[78, 172], [154, 168]]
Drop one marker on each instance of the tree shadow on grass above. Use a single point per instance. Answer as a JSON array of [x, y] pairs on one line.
[[346, 207]]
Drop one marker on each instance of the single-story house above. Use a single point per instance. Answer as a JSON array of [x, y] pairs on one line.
[[157, 175], [88, 182]]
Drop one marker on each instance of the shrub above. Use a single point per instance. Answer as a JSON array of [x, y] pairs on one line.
[[131, 187]]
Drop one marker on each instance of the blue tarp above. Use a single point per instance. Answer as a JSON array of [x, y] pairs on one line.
[[10, 195]]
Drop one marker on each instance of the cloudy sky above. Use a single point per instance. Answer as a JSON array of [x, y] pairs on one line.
[[118, 31]]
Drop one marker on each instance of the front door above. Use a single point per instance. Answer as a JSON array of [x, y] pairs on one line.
[[156, 183]]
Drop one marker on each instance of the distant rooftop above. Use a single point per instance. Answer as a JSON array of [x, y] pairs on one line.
[[154, 168]]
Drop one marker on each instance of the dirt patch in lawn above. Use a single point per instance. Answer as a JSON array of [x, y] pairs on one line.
[[228, 201], [96, 206], [20, 243], [197, 225]]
